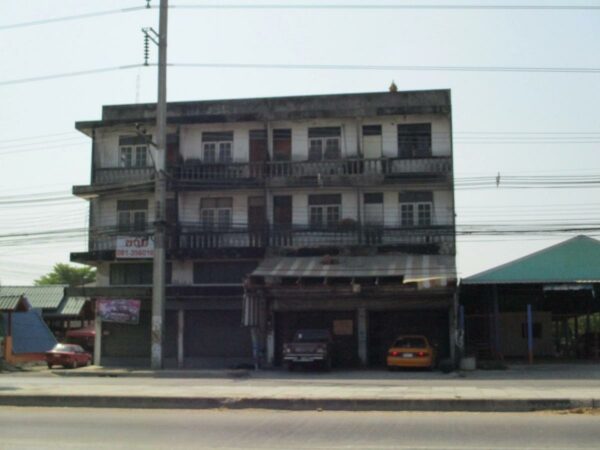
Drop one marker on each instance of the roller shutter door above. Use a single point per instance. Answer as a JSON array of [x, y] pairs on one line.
[[216, 334]]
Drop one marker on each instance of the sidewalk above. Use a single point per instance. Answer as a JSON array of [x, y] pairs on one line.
[[521, 388]]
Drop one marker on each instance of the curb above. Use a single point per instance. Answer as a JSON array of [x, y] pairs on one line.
[[233, 373], [298, 404]]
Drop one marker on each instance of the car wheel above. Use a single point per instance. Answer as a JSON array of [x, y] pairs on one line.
[[289, 366], [74, 365], [49, 366]]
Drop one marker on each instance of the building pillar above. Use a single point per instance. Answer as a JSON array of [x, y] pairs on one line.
[[271, 342], [180, 331], [452, 326], [97, 340], [362, 326]]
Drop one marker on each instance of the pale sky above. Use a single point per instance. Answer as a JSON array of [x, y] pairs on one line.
[[520, 124]]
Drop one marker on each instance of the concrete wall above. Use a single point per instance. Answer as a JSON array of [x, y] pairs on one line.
[[514, 344]]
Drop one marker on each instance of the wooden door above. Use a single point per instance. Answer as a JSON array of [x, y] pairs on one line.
[[257, 220], [282, 220], [259, 153], [282, 152]]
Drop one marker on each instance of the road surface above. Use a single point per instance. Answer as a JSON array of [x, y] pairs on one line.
[[78, 428]]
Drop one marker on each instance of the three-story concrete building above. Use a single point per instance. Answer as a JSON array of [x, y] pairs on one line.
[[328, 211]]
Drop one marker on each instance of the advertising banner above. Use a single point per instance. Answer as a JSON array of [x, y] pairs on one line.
[[135, 247], [119, 310]]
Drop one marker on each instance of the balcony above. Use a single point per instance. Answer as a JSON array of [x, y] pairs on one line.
[[351, 171], [136, 178], [118, 175], [189, 241]]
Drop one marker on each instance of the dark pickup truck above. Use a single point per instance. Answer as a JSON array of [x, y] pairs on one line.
[[309, 347]]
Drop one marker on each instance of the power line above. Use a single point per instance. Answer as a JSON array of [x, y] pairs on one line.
[[390, 6], [377, 67], [69, 18], [68, 74]]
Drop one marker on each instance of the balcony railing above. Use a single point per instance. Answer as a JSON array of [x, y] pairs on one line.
[[198, 173], [123, 175], [189, 238]]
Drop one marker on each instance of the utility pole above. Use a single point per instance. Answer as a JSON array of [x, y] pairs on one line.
[[160, 193]]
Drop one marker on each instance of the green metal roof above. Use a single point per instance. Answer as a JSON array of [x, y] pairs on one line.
[[40, 297], [576, 260], [9, 302], [72, 306]]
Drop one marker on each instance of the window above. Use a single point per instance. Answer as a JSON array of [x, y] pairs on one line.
[[416, 209], [216, 213], [217, 147], [135, 274], [414, 140], [133, 151], [222, 272], [324, 143], [324, 210], [132, 215], [133, 156]]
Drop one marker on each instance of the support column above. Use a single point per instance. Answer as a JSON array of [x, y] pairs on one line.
[[452, 326], [497, 341], [530, 333], [180, 334], [271, 342], [97, 340], [363, 327]]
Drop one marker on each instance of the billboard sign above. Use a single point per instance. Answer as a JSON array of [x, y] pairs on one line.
[[118, 310], [135, 247]]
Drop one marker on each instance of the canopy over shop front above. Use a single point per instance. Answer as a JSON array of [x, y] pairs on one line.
[[576, 260], [559, 285]]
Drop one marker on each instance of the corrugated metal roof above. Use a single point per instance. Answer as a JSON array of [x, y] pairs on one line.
[[9, 302], [576, 260], [413, 268], [40, 297], [30, 333], [72, 306]]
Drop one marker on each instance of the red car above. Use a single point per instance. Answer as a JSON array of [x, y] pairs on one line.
[[67, 355]]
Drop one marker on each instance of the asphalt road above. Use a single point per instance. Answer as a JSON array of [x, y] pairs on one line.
[[50, 428]]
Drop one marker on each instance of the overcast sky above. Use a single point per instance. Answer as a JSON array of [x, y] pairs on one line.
[[518, 124]]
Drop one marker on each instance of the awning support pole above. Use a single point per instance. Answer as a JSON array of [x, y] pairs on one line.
[[530, 333]]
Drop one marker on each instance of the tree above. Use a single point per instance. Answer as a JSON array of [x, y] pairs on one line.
[[67, 274]]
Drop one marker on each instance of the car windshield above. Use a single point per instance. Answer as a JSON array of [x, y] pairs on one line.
[[64, 348], [410, 342], [312, 336]]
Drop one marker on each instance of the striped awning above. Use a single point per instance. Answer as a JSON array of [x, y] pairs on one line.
[[422, 269], [10, 303], [72, 306]]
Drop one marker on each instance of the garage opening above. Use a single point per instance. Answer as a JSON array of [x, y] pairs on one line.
[[386, 326], [341, 325]]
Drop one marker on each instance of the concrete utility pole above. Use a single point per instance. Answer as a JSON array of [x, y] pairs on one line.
[[160, 193]]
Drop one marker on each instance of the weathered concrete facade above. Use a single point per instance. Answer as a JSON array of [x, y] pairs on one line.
[[350, 174]]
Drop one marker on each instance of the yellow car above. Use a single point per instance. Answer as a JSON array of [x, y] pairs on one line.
[[411, 351]]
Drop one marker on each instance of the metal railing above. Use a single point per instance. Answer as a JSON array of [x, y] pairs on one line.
[[198, 172], [194, 237]]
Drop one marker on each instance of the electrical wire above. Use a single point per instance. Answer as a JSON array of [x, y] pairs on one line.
[[71, 18], [68, 74], [377, 67], [390, 6]]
